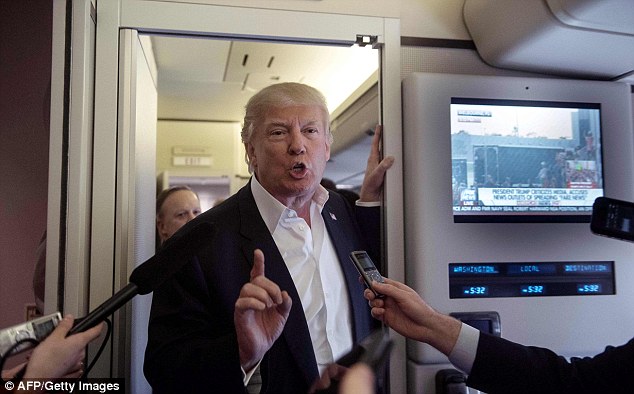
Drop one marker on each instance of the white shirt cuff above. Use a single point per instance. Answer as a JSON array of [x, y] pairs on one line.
[[464, 351], [360, 203], [246, 376]]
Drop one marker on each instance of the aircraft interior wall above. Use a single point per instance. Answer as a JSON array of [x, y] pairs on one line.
[[572, 325]]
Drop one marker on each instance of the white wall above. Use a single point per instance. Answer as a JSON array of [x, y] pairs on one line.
[[433, 19], [385, 8], [419, 18], [220, 139]]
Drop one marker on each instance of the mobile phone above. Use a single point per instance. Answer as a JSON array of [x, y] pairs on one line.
[[613, 218], [367, 269]]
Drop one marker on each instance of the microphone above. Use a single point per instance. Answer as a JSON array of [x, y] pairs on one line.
[[174, 255], [152, 273]]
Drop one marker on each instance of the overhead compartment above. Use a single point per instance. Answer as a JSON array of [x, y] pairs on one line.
[[591, 39]]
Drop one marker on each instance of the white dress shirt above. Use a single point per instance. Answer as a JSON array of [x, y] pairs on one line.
[[314, 266], [464, 351]]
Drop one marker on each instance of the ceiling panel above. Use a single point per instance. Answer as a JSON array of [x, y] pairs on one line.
[[211, 79], [191, 58]]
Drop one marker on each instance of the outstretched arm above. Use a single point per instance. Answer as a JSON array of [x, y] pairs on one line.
[[404, 311]]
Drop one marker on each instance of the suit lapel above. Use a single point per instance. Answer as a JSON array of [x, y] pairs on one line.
[[337, 220], [256, 235]]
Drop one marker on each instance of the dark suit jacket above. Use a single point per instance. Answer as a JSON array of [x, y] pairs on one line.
[[502, 366], [192, 344]]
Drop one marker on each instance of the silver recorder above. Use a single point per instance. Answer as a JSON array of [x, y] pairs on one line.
[[36, 329]]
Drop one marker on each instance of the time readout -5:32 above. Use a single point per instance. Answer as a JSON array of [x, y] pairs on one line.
[[531, 279]]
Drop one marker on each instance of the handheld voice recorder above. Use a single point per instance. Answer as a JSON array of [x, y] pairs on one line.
[[367, 269], [29, 334]]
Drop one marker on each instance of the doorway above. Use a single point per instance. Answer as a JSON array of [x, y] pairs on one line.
[[202, 87], [108, 235]]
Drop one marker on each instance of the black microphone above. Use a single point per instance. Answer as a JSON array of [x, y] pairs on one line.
[[148, 276], [172, 257]]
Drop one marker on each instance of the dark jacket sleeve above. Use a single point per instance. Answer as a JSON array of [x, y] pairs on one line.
[[192, 347], [502, 366], [369, 221]]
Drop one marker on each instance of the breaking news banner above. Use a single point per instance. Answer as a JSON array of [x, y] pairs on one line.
[[538, 197], [101, 386]]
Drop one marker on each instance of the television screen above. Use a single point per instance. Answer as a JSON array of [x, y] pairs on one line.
[[525, 161]]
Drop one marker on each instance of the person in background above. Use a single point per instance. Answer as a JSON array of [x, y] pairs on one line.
[[175, 207], [227, 313], [496, 365], [588, 151], [58, 356]]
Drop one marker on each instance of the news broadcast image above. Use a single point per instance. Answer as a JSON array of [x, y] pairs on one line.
[[524, 157]]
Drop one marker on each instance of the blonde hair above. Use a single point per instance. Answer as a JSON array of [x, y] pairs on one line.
[[279, 95]]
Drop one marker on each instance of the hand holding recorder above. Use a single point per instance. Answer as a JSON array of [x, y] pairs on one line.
[[367, 270]]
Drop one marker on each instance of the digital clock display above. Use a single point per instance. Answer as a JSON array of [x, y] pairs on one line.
[[531, 279], [589, 288], [532, 290], [472, 291]]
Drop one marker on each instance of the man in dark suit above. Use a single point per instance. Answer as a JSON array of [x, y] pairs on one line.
[[273, 288], [496, 365]]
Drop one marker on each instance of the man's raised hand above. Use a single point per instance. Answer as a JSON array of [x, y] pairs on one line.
[[260, 314]]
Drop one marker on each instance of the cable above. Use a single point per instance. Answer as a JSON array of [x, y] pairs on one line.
[[35, 342], [13, 347], [101, 349]]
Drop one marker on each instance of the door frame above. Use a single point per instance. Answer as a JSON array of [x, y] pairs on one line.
[[227, 22]]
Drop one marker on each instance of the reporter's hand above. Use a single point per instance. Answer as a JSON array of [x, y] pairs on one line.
[[59, 355], [8, 374], [260, 314], [408, 314], [375, 170], [329, 379], [359, 379]]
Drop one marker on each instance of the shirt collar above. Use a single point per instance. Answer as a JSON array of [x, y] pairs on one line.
[[272, 210]]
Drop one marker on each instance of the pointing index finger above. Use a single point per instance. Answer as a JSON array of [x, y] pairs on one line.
[[258, 264]]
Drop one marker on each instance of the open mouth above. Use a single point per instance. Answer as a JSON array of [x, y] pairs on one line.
[[299, 167], [299, 170]]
